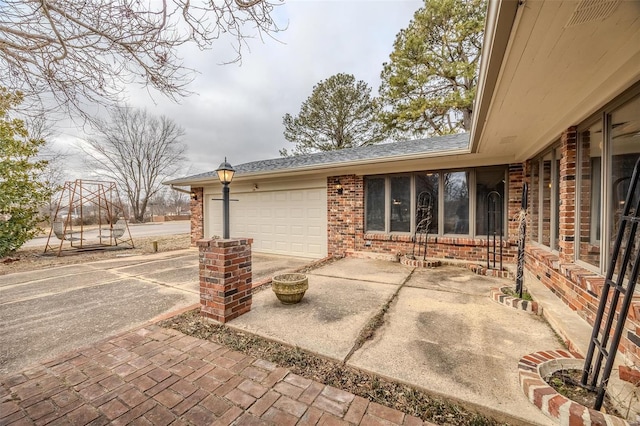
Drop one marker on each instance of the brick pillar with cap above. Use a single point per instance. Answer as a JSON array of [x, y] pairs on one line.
[[225, 277]]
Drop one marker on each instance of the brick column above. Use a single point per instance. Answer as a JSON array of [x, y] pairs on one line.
[[225, 278], [514, 203], [345, 213], [567, 202], [197, 215]]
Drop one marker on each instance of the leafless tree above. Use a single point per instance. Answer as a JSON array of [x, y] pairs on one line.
[[137, 151], [55, 174], [83, 53]]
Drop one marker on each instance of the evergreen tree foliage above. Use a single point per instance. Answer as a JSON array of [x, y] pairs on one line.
[[340, 113], [22, 191], [429, 84]]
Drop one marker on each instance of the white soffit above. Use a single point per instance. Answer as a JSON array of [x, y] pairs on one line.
[[566, 59]]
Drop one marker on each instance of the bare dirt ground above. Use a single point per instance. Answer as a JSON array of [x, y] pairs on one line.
[[34, 258]]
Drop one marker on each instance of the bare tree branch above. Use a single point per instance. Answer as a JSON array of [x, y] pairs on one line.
[[138, 152], [84, 53]]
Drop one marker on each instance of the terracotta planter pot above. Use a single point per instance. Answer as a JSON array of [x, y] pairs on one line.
[[290, 288]]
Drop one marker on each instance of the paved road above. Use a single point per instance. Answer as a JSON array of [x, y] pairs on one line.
[[137, 231]]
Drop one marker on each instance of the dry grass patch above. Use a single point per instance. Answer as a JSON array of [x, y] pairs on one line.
[[30, 259]]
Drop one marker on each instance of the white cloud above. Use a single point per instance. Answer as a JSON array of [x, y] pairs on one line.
[[237, 110]]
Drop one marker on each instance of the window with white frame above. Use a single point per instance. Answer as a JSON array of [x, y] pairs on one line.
[[609, 147], [455, 201], [545, 195]]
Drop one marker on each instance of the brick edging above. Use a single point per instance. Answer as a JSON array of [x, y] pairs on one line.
[[515, 302], [481, 270], [531, 370], [417, 263]]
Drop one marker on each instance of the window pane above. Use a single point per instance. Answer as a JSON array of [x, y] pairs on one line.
[[427, 201], [556, 203], [456, 203], [487, 181], [534, 201], [625, 150], [400, 204], [546, 201], [589, 213], [374, 202]]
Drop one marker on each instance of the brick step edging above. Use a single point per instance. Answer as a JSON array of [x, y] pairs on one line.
[[417, 263], [515, 302], [482, 270], [531, 370]]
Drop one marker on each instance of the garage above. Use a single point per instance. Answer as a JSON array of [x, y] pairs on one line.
[[288, 221]]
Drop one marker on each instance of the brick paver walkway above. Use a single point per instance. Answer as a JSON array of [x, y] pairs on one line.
[[160, 376]]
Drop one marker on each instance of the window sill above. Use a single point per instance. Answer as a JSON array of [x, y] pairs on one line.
[[462, 240]]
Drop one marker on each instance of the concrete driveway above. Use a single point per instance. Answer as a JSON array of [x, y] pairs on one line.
[[51, 311]]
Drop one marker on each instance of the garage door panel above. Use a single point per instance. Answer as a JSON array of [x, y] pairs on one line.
[[312, 195], [282, 222]]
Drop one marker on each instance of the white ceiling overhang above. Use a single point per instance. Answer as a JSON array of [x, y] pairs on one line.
[[548, 65]]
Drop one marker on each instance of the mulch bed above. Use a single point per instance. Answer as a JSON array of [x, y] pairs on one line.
[[391, 394], [567, 383]]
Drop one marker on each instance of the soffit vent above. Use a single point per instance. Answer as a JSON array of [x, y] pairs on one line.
[[508, 140], [592, 10]]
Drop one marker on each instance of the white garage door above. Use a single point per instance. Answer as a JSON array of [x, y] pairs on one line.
[[290, 222]]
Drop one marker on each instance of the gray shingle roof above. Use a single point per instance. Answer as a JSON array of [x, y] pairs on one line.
[[437, 144]]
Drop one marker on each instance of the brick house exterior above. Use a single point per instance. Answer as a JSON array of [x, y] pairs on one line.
[[561, 128]]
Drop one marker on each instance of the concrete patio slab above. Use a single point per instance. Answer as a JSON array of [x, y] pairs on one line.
[[379, 271], [453, 279], [267, 265], [457, 342], [328, 319]]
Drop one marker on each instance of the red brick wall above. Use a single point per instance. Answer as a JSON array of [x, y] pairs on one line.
[[225, 278], [345, 225], [567, 196], [345, 213], [197, 215]]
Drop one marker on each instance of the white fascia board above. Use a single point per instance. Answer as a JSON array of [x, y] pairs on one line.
[[500, 20]]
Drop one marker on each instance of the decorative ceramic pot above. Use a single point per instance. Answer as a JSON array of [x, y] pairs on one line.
[[290, 288]]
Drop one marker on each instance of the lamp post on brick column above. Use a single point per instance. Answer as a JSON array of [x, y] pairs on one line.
[[225, 173]]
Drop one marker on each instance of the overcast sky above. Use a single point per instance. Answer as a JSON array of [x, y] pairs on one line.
[[237, 109]]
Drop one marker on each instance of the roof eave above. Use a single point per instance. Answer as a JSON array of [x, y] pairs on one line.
[[501, 16]]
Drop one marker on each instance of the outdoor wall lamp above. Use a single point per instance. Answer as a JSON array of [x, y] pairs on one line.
[[193, 195], [225, 173], [339, 188]]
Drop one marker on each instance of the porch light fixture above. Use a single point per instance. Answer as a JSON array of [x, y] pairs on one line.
[[225, 173], [339, 188], [193, 195]]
